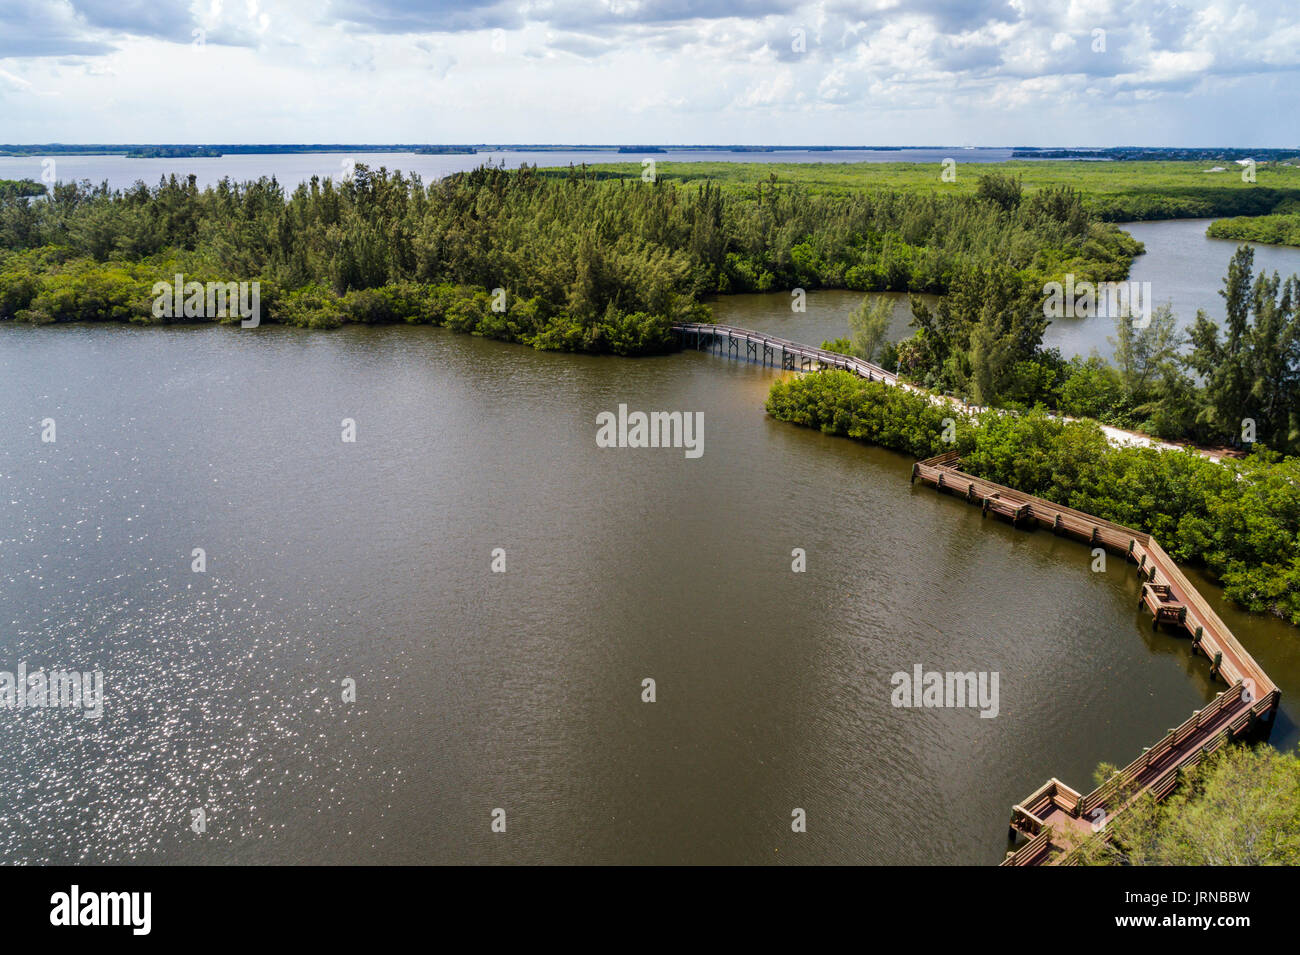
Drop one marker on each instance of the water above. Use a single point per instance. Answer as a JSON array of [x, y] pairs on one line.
[[1184, 267], [520, 690], [120, 172]]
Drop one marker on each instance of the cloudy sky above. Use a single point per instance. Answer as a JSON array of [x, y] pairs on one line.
[[900, 72]]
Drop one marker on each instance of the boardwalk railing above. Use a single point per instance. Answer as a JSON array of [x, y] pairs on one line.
[[765, 349], [1055, 818]]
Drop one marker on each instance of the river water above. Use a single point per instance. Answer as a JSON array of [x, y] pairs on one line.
[[371, 561], [1184, 269]]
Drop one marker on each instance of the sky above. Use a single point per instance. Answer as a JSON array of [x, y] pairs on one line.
[[661, 72]]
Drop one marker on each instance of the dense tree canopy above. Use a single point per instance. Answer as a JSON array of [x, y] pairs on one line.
[[586, 263], [582, 262], [1235, 386]]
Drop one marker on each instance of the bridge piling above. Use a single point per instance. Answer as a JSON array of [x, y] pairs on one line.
[[1053, 818]]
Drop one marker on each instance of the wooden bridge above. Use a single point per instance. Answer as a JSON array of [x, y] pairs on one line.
[[764, 349], [1056, 819]]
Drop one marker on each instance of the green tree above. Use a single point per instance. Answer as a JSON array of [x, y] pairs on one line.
[[1000, 189], [1092, 389], [1252, 370], [869, 324], [1241, 806], [1143, 352], [990, 320]]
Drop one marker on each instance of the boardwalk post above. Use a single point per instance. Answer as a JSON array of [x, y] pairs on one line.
[[1159, 767]]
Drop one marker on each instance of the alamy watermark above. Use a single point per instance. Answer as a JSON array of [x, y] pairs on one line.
[[129, 909], [936, 688], [181, 299], [1072, 299], [654, 429], [55, 689]]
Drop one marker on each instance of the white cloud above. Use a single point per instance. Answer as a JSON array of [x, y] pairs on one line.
[[914, 71]]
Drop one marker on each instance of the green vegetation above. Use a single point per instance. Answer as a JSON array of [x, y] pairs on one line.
[[1240, 806], [445, 150], [585, 264], [597, 260], [1239, 519], [1252, 373], [1280, 229], [983, 341], [20, 188], [1112, 191], [868, 325], [594, 268]]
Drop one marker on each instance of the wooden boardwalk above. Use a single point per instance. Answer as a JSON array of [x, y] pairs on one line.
[[745, 345], [1054, 819], [764, 349]]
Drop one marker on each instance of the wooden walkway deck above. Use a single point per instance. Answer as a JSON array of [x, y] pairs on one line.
[[1054, 819], [763, 349]]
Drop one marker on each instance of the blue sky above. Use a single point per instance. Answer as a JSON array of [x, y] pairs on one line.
[[901, 72]]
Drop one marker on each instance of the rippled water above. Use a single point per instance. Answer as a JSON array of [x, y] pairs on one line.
[[521, 690]]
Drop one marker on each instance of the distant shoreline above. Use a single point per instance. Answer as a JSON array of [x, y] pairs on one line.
[[201, 150], [213, 151]]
